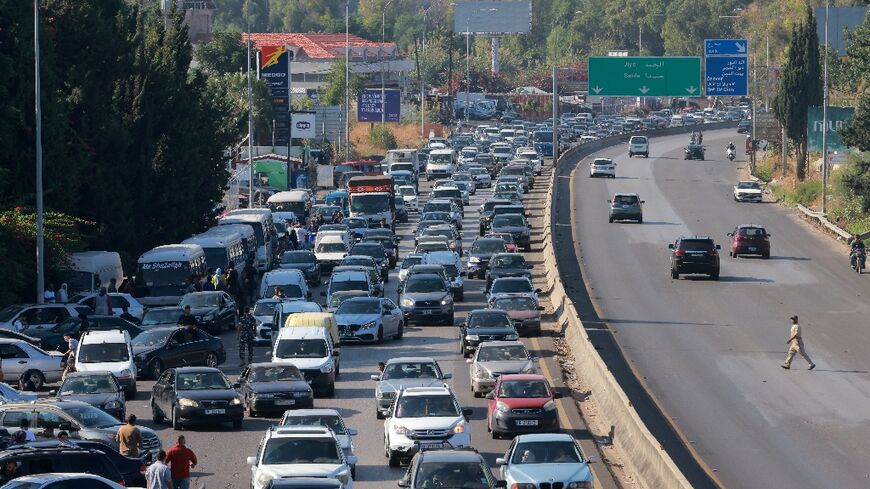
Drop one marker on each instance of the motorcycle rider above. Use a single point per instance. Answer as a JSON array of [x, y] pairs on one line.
[[857, 249], [730, 146]]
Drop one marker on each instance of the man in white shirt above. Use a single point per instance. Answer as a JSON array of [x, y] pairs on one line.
[[796, 345]]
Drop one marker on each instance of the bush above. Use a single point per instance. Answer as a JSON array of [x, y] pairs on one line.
[[382, 137], [808, 192], [764, 172]]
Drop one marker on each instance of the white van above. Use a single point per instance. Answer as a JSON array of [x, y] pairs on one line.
[[440, 164], [245, 231], [266, 333], [310, 349], [91, 269], [221, 249], [162, 271], [291, 281], [264, 231], [330, 250], [296, 201], [405, 155], [109, 351]]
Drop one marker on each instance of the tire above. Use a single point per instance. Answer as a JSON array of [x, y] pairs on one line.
[[330, 392], [155, 369], [766, 256], [461, 296], [211, 360], [395, 460], [646, 155], [401, 332], [450, 321], [675, 275], [237, 423], [610, 220], [176, 421], [640, 220], [133, 391], [37, 378], [714, 276], [380, 338], [378, 414], [156, 414]]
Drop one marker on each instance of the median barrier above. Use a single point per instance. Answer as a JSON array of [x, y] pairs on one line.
[[642, 452]]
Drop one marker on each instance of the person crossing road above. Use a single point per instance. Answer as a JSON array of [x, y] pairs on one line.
[[796, 345]]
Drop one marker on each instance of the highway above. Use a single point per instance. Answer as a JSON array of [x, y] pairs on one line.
[[710, 352], [222, 451]]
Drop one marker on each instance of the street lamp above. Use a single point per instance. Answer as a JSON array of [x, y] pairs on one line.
[[381, 56], [40, 233], [346, 81]]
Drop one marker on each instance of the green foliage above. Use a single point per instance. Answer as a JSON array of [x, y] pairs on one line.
[[856, 179], [857, 133], [764, 172], [689, 22], [224, 54], [334, 91], [382, 137]]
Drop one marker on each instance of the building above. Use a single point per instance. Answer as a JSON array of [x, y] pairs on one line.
[[198, 16], [315, 54]]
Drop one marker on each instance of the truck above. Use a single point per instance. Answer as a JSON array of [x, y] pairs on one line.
[[403, 156], [372, 198]]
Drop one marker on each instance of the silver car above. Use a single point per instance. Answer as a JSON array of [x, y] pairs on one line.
[[403, 372], [21, 357], [329, 418], [495, 358]]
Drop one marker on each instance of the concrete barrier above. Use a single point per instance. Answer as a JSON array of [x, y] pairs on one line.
[[642, 452]]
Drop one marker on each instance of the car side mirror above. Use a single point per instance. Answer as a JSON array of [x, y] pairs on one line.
[[52, 392], [591, 459], [501, 483], [490, 396], [352, 459], [540, 308], [403, 483], [467, 412], [376, 378], [446, 376], [643, 202], [671, 246], [609, 201], [352, 431], [469, 361], [557, 395], [537, 291], [237, 385], [718, 247], [729, 234], [252, 460]]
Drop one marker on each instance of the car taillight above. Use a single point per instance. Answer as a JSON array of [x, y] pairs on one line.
[[121, 483], [142, 469], [679, 253], [712, 252]]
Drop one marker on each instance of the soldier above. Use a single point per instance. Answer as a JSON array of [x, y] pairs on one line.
[[247, 330], [796, 345]]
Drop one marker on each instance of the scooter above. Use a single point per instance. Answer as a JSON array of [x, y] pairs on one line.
[[730, 154], [859, 261]]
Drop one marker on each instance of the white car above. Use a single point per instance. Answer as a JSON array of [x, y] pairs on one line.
[[638, 145], [482, 178], [424, 418], [602, 167], [409, 196], [119, 300], [300, 451], [747, 191], [58, 479], [110, 351], [329, 418]]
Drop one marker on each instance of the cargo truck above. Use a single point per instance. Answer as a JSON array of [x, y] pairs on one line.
[[372, 198]]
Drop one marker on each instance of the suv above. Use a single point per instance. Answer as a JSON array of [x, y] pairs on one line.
[[485, 325], [109, 351], [602, 167], [449, 468], [694, 254], [38, 316], [638, 145], [329, 418], [300, 451], [625, 207], [403, 372], [424, 418]]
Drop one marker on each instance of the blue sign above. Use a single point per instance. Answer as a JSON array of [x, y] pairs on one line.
[[369, 105], [726, 47], [726, 76], [273, 66]]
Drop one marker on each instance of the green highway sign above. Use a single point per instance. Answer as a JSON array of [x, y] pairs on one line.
[[645, 76]]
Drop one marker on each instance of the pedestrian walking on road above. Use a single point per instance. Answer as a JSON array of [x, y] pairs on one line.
[[249, 280], [181, 459], [158, 475], [247, 330], [796, 345], [63, 294], [129, 438]]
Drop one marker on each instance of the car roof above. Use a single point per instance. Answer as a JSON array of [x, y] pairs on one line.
[[696, 238], [544, 437], [625, 194], [421, 276], [744, 226], [303, 333], [199, 370], [522, 377], [269, 364], [411, 360], [312, 412], [466, 455], [422, 391], [502, 343], [104, 335]]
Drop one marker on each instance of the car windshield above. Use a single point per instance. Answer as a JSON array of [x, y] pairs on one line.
[[543, 137], [410, 370], [372, 250], [436, 216], [348, 285], [161, 316], [153, 337], [425, 284], [297, 257], [546, 452], [9, 312], [369, 203], [103, 352], [359, 307], [488, 246], [512, 261], [477, 171], [315, 348], [504, 353], [506, 187], [440, 158], [489, 320], [747, 185], [523, 389], [625, 200], [334, 247], [700, 245], [285, 451], [752, 232], [407, 191], [201, 300], [265, 308], [358, 261], [284, 373], [511, 286], [199, 381], [290, 290], [90, 417], [331, 421], [431, 246], [410, 261], [355, 222], [515, 304], [92, 384], [458, 475], [426, 407]]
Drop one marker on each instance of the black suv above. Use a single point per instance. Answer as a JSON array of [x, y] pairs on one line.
[[449, 468], [694, 255], [33, 460], [485, 325]]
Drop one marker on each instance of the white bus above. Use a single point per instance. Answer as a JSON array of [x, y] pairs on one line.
[[296, 201], [91, 269], [162, 273], [249, 241], [264, 231], [221, 250]]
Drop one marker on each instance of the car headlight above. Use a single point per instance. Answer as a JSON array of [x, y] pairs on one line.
[[579, 485], [483, 373], [236, 401], [472, 337], [188, 402], [408, 302], [208, 317], [370, 324], [511, 337], [343, 477], [125, 374], [446, 301], [263, 479], [112, 405], [501, 406], [326, 368], [459, 428], [474, 259], [401, 430], [550, 406], [529, 369]]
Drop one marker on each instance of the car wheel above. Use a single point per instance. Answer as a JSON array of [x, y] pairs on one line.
[[640, 220], [401, 331], [674, 274], [461, 296], [395, 460], [211, 360], [37, 378], [766, 256], [156, 369], [610, 220], [176, 421], [380, 337], [237, 423], [330, 391], [156, 414], [714, 275], [378, 414]]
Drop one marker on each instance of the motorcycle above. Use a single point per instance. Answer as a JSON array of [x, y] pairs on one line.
[[859, 261], [730, 153]]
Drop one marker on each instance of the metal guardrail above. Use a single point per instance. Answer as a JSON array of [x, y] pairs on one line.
[[823, 220]]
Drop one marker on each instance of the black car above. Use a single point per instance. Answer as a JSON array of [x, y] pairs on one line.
[[694, 255], [481, 252], [99, 389], [273, 388], [32, 459], [132, 469], [449, 468], [160, 348], [195, 395], [156, 317], [52, 339], [507, 265], [376, 251], [516, 225], [304, 261], [388, 240], [214, 310], [485, 325], [487, 210], [694, 152]]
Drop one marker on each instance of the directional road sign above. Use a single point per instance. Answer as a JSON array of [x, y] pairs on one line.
[[726, 76], [645, 76], [726, 47]]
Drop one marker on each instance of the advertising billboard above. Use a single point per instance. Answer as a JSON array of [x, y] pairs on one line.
[[838, 118], [368, 108], [492, 17], [303, 125], [273, 66], [840, 20]]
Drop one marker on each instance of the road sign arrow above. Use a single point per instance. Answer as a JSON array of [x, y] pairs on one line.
[[597, 89], [741, 48], [691, 89], [643, 89]]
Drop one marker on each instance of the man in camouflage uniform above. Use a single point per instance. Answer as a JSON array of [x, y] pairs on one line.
[[247, 330]]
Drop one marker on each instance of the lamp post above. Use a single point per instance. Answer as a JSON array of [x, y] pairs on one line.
[[381, 57], [825, 119], [250, 128], [40, 232], [467, 76], [346, 81]]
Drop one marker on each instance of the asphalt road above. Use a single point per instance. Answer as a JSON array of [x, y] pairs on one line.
[[710, 352], [222, 451]]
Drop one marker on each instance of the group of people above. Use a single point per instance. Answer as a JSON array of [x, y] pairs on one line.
[[171, 470], [241, 286], [697, 137]]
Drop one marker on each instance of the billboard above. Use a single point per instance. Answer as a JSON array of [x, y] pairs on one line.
[[839, 19], [273, 66], [492, 17], [368, 107], [838, 118], [303, 125]]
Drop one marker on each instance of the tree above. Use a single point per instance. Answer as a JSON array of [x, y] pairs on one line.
[[225, 53], [382, 137], [856, 179], [801, 87], [334, 91], [857, 133]]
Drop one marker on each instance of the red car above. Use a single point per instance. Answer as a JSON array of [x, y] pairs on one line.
[[521, 403], [750, 239], [509, 243]]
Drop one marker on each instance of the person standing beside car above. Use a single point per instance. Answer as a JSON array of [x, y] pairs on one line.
[[129, 438], [103, 303], [246, 330], [181, 459]]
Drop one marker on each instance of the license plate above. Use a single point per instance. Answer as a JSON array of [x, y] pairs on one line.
[[427, 312], [215, 411], [751, 248], [345, 333], [431, 445], [285, 402], [527, 422]]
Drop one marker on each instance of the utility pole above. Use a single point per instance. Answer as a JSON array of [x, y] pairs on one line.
[[825, 119], [289, 112], [346, 81], [555, 114], [467, 76], [381, 58], [250, 128], [37, 103]]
